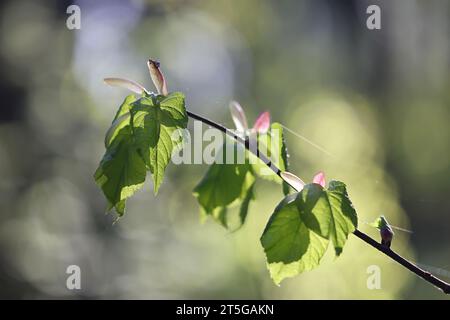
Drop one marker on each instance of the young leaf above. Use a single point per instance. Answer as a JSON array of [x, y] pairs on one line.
[[272, 144], [385, 229], [262, 123], [291, 248], [297, 234], [121, 119], [122, 170], [248, 196], [380, 223], [319, 178], [220, 186], [224, 185], [329, 213], [154, 121]]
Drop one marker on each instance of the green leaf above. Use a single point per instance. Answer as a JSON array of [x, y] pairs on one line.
[[228, 184], [290, 247], [222, 185], [140, 138], [273, 145], [122, 170], [329, 213], [281, 155], [154, 122], [247, 197], [121, 119], [299, 230], [225, 185], [380, 223], [220, 215], [285, 163]]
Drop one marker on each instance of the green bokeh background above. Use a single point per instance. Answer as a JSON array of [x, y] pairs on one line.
[[377, 101]]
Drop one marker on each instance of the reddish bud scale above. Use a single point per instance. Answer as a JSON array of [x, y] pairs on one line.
[[157, 77], [386, 234]]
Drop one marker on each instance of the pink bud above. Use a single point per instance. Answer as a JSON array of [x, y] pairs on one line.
[[238, 115], [157, 77], [319, 178], [262, 124], [293, 180]]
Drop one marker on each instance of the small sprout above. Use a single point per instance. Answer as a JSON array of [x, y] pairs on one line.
[[262, 123], [386, 236], [386, 231], [238, 115], [127, 84], [298, 183], [157, 77], [319, 178]]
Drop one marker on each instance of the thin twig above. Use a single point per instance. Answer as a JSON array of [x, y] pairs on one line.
[[444, 286]]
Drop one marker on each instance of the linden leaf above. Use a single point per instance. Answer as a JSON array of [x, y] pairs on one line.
[[122, 170], [154, 122], [302, 225]]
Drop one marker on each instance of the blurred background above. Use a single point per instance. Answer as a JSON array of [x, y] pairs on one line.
[[376, 100]]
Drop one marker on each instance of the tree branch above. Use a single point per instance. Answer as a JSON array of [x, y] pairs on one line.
[[444, 286]]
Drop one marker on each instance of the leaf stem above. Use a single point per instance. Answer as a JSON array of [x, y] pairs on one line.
[[442, 285]]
